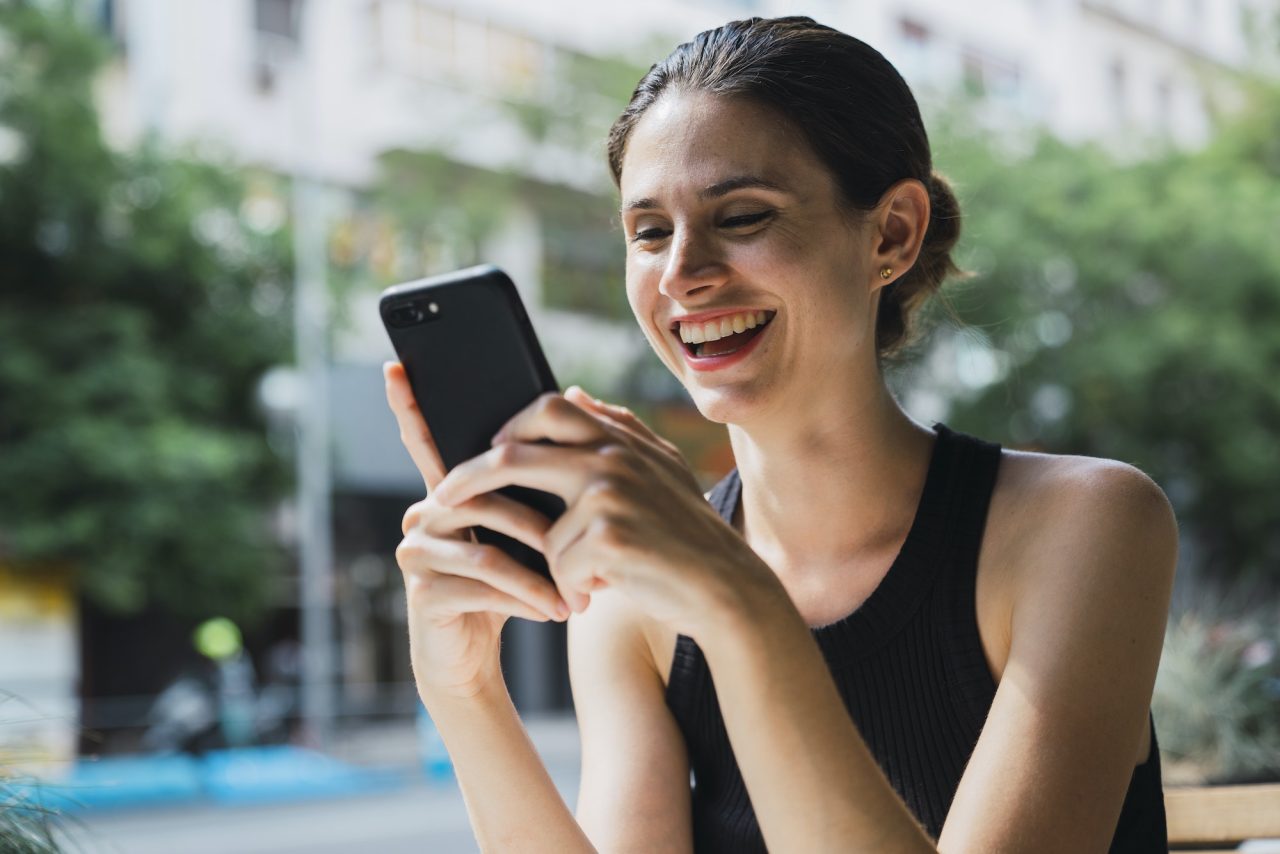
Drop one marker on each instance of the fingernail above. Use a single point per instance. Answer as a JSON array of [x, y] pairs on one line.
[[562, 611]]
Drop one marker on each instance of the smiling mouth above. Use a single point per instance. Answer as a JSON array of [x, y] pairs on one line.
[[725, 345]]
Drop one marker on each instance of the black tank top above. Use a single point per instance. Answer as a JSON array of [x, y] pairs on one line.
[[908, 663]]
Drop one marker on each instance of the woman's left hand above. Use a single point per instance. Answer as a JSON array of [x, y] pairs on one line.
[[635, 518]]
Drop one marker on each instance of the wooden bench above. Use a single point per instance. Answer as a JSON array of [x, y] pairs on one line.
[[1218, 818]]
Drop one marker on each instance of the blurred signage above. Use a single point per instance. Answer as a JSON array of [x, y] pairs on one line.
[[39, 668]]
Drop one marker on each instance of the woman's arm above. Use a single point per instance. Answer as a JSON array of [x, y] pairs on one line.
[[1091, 601], [813, 783], [511, 801], [1050, 769], [634, 793]]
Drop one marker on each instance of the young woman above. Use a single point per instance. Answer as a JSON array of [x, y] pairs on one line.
[[874, 636]]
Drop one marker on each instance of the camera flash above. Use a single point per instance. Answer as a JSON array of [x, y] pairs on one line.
[[434, 308]]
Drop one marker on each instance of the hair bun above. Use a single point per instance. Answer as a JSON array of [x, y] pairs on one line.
[[944, 212]]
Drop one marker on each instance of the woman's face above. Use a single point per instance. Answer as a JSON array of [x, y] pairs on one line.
[[725, 208]]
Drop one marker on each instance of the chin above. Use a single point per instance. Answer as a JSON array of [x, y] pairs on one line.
[[727, 404]]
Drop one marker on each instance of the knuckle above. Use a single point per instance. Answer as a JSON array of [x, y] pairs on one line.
[[617, 460], [547, 401], [609, 530], [613, 450], [532, 587], [407, 552], [600, 492], [487, 558], [506, 454], [412, 517]]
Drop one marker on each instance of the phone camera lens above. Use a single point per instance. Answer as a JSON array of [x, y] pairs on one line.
[[406, 315]]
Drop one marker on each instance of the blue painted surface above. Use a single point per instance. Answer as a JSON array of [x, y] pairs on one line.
[[237, 776], [264, 774]]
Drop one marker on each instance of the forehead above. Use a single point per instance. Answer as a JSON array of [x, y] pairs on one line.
[[685, 142]]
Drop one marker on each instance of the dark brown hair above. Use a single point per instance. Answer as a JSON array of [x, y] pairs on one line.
[[854, 109]]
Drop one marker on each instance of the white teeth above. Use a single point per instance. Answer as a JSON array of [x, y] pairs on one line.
[[714, 330]]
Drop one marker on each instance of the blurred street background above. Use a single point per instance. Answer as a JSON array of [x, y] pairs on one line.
[[202, 624]]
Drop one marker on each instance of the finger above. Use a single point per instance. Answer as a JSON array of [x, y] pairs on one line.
[[419, 552], [493, 511], [449, 596], [617, 413], [653, 446], [560, 470], [414, 432], [549, 416], [579, 545]]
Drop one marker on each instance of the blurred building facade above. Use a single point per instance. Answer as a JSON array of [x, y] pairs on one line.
[[333, 84]]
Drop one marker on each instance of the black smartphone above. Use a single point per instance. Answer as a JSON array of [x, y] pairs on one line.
[[473, 361]]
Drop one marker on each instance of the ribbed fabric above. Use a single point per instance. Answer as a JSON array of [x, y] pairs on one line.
[[908, 664]]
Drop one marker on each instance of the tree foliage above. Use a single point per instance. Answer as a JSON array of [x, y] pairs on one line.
[[1131, 311], [137, 313]]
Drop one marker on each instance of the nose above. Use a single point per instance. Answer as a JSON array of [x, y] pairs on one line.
[[693, 264]]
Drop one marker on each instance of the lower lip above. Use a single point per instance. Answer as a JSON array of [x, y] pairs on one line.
[[715, 363]]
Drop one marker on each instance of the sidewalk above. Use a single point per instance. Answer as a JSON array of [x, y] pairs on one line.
[[395, 744], [420, 814], [361, 760]]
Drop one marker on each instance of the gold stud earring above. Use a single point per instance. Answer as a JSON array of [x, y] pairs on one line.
[[886, 272]]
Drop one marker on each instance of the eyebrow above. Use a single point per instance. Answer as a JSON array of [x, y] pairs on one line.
[[715, 191]]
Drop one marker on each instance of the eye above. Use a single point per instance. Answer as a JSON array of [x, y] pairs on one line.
[[746, 219], [647, 234]]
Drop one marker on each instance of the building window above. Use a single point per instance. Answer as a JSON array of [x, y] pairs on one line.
[[109, 16], [1119, 86], [915, 58], [278, 18], [986, 75], [276, 31], [1164, 104], [914, 32]]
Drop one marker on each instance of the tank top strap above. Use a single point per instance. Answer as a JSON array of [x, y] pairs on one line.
[[955, 609], [724, 495], [976, 462]]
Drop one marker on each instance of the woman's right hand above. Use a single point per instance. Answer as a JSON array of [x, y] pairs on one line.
[[461, 592]]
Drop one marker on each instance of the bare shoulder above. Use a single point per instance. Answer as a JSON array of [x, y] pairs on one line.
[[1089, 547], [1048, 505]]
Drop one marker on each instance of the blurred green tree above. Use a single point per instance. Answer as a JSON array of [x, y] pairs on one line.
[[1129, 310], [138, 310]]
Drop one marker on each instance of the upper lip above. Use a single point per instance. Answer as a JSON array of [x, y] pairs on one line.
[[703, 316]]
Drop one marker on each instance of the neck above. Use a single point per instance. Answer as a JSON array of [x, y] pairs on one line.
[[831, 481]]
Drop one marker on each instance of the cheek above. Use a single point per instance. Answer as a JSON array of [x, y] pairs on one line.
[[643, 276], [635, 290], [641, 296]]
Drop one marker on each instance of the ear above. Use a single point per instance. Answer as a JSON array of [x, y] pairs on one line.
[[898, 226]]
